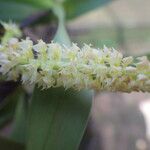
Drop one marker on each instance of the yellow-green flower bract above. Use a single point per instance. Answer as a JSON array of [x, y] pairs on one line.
[[55, 65]]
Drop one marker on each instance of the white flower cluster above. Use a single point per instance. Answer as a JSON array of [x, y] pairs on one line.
[[55, 65], [11, 30]]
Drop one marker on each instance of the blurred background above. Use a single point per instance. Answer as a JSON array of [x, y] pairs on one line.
[[118, 121], [124, 25]]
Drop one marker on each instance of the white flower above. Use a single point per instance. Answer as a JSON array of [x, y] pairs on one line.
[[142, 77], [127, 60], [11, 30], [54, 51], [56, 65], [144, 63], [26, 45], [131, 69]]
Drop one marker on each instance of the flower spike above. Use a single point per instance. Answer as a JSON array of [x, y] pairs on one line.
[[55, 65]]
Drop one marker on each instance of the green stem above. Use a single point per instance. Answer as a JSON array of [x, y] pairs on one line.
[[61, 34]]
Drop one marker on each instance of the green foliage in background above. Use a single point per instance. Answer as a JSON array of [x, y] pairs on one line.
[[76, 8], [9, 11], [9, 8]]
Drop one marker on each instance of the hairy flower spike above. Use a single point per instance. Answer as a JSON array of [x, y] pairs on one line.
[[73, 67]]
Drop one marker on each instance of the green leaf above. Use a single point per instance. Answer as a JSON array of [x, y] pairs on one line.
[[19, 9], [57, 119], [9, 8], [6, 144], [20, 119], [9, 11], [75, 8], [34, 3]]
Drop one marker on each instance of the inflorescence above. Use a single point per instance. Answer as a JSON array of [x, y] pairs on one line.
[[55, 65], [11, 30]]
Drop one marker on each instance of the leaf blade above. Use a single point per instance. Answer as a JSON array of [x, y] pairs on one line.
[[76, 8], [9, 8], [57, 118]]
